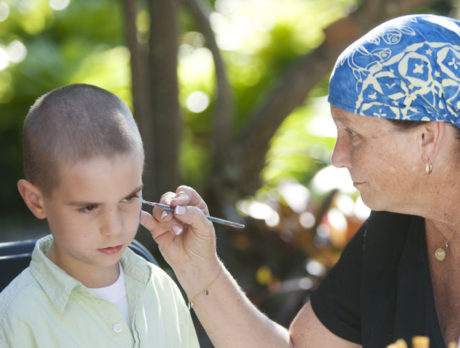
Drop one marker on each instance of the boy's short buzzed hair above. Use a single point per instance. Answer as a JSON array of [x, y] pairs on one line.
[[73, 123]]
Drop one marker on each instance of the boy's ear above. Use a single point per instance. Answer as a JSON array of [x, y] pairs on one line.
[[33, 198]]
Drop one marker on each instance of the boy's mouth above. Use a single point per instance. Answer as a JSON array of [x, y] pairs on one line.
[[111, 250]]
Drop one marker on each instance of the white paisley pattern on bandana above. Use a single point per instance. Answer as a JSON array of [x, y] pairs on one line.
[[407, 68]]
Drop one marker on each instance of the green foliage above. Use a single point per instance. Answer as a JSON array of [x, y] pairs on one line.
[[258, 45], [302, 145]]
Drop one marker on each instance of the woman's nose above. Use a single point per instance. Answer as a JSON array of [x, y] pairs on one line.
[[341, 153]]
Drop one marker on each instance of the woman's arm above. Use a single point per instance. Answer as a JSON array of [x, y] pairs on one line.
[[307, 331], [187, 242], [229, 318]]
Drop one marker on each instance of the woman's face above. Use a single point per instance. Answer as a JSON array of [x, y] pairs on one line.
[[384, 161]]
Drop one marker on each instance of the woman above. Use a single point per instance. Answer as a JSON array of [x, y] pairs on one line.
[[395, 99]]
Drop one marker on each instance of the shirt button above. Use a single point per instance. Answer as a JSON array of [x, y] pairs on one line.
[[117, 328]]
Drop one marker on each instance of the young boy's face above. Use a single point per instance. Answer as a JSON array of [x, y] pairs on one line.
[[93, 215]]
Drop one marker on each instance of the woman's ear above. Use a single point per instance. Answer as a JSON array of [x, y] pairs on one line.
[[431, 136], [33, 198]]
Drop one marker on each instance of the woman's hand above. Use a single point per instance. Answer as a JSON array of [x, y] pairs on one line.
[[185, 238], [187, 241]]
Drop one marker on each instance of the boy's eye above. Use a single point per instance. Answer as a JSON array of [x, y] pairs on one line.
[[87, 208], [130, 198]]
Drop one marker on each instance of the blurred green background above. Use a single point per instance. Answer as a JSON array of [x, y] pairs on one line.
[[230, 97]]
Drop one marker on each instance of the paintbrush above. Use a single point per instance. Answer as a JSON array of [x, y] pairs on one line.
[[210, 218]]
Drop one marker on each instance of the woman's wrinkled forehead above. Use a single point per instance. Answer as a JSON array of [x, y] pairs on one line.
[[407, 68]]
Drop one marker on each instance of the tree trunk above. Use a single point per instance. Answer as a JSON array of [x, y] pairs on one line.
[[164, 96], [140, 91]]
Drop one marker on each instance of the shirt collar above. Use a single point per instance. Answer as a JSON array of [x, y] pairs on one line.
[[58, 285], [135, 267], [55, 282]]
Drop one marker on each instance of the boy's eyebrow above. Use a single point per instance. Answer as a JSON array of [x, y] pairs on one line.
[[82, 203], [136, 190]]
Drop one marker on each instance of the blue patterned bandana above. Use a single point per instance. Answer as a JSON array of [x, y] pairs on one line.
[[407, 68]]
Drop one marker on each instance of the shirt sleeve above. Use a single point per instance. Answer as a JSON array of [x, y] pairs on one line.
[[336, 302], [185, 320]]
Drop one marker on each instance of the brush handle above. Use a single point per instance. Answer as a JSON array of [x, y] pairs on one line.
[[210, 218]]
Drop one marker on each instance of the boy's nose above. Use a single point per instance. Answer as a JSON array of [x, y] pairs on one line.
[[112, 223], [341, 157]]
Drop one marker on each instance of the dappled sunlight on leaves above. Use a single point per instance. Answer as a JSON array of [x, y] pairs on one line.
[[4, 11], [196, 69], [302, 145], [35, 15], [59, 5], [108, 69]]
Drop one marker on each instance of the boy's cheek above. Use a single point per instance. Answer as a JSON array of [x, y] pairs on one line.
[[135, 220], [139, 220]]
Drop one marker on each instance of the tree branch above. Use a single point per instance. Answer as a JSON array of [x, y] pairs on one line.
[[222, 127]]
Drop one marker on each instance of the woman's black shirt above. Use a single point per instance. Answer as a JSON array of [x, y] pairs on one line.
[[380, 289]]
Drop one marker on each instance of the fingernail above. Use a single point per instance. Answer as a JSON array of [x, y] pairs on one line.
[[164, 214], [177, 229], [180, 210]]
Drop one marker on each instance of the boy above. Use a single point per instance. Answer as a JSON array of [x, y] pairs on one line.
[[83, 162]]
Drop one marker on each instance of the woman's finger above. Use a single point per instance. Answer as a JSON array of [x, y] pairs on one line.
[[194, 217], [150, 223], [188, 196]]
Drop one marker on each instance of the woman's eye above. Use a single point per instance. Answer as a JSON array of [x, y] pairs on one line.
[[351, 133]]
